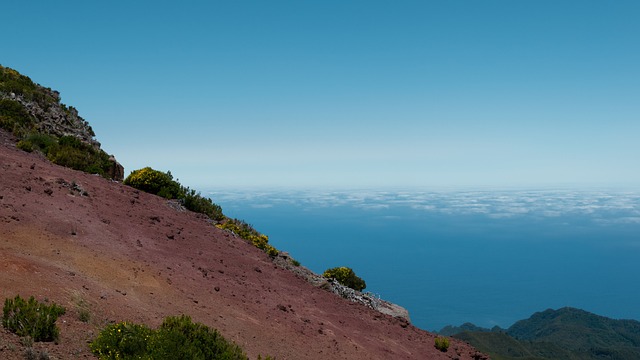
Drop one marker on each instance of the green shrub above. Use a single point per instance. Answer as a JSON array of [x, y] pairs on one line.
[[68, 151], [38, 141], [31, 318], [248, 233], [177, 338], [154, 182], [12, 81], [162, 184], [442, 343], [345, 276], [75, 154], [180, 338], [200, 204], [122, 341], [14, 118]]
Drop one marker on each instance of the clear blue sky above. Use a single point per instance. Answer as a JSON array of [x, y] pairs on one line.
[[347, 93]]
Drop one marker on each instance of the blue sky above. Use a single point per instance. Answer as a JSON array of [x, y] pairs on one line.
[[347, 93]]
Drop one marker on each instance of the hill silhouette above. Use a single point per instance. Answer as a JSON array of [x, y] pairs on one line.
[[566, 333]]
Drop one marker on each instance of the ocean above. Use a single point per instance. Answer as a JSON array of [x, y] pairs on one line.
[[454, 256]]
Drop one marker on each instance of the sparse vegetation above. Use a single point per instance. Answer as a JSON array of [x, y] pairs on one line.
[[32, 318], [162, 184], [247, 232], [14, 118], [26, 341], [442, 343], [12, 81], [68, 151], [18, 94], [177, 338], [32, 354], [82, 306], [345, 276], [84, 315]]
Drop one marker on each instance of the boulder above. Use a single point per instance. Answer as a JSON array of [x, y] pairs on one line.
[[116, 172]]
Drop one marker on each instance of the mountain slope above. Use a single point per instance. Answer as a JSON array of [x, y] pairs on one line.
[[81, 240], [566, 333], [581, 331]]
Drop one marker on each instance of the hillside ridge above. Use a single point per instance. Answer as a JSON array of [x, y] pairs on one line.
[[27, 108], [565, 333], [92, 244]]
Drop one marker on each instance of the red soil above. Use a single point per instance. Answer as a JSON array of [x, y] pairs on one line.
[[132, 256]]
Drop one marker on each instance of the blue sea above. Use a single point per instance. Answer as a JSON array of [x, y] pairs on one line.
[[449, 257]]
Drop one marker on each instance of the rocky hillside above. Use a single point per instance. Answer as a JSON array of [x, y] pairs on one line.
[[110, 253], [28, 109]]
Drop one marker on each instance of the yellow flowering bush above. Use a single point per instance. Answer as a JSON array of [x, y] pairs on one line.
[[162, 184], [154, 182], [247, 232]]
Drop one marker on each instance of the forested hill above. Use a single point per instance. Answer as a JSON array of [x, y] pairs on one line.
[[566, 333]]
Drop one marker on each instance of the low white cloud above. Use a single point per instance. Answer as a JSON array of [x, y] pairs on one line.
[[600, 206], [262, 206]]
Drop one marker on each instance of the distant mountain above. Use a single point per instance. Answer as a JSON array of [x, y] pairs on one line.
[[566, 333], [450, 330]]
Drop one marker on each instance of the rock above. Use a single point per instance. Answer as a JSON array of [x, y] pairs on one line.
[[116, 171], [367, 299], [394, 310]]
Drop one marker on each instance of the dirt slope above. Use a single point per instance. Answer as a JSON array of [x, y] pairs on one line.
[[80, 240]]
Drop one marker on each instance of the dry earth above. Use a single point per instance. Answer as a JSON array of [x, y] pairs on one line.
[[128, 255]]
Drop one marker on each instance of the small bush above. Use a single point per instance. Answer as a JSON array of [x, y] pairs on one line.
[[75, 154], [68, 151], [82, 306], [180, 338], [122, 341], [442, 343], [84, 315], [197, 203], [247, 232], [32, 354], [177, 338], [32, 318], [345, 276], [154, 182], [14, 118], [37, 141]]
